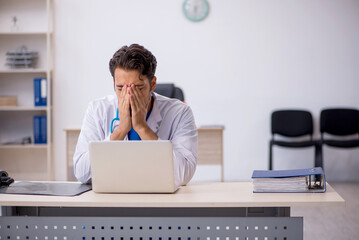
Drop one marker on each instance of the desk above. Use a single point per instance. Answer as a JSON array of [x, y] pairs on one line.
[[202, 211], [210, 147]]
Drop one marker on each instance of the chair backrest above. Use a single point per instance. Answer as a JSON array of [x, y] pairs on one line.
[[178, 94], [292, 123], [169, 90], [339, 121]]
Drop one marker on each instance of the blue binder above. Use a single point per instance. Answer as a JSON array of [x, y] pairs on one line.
[[40, 91], [40, 129], [37, 129], [315, 179], [43, 130]]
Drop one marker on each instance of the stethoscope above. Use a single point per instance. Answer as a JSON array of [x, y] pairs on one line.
[[117, 118], [114, 120]]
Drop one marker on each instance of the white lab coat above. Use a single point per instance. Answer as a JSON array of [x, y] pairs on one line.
[[170, 119]]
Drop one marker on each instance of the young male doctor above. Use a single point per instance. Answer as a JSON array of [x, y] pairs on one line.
[[137, 113]]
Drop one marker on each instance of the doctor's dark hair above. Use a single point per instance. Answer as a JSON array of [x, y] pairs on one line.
[[134, 57]]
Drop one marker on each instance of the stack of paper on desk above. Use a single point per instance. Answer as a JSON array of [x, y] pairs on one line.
[[297, 180], [280, 184]]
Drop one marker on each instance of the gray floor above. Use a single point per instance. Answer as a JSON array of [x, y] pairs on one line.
[[333, 222]]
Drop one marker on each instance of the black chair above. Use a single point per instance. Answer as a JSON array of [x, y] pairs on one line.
[[169, 90], [340, 122], [291, 124]]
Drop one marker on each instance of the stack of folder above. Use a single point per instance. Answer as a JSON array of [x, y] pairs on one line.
[[284, 181]]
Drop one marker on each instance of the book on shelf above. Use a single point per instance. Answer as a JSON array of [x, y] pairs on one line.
[[8, 101], [285, 181]]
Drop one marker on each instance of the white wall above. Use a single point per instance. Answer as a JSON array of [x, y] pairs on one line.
[[242, 62]]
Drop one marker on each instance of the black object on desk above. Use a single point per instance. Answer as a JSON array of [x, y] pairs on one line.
[[5, 180], [46, 188]]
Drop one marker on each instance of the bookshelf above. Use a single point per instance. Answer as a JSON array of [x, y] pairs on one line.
[[33, 28]]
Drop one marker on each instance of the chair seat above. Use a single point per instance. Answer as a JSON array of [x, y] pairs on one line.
[[298, 144], [342, 143]]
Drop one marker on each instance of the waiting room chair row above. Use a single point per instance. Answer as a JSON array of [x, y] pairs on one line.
[[335, 123]]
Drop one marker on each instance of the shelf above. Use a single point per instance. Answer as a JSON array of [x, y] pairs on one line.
[[24, 70], [24, 146], [35, 31], [23, 33], [23, 108]]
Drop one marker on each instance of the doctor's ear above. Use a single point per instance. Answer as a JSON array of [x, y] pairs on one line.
[[153, 84]]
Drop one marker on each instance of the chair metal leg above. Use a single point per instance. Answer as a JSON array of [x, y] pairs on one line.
[[319, 155]]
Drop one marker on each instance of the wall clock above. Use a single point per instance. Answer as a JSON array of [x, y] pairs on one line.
[[195, 10]]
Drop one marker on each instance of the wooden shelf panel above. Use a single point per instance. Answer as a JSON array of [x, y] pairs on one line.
[[23, 33], [23, 108], [24, 70], [24, 146]]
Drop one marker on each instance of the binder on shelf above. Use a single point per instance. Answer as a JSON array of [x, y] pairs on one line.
[[37, 128], [289, 181], [40, 129], [43, 130], [40, 91]]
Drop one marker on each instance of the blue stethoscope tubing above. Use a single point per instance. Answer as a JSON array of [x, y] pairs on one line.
[[113, 120]]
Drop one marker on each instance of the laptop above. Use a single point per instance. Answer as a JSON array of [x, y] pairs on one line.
[[132, 167]]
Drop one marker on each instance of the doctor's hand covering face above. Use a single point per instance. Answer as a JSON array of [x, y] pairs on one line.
[[133, 92]]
